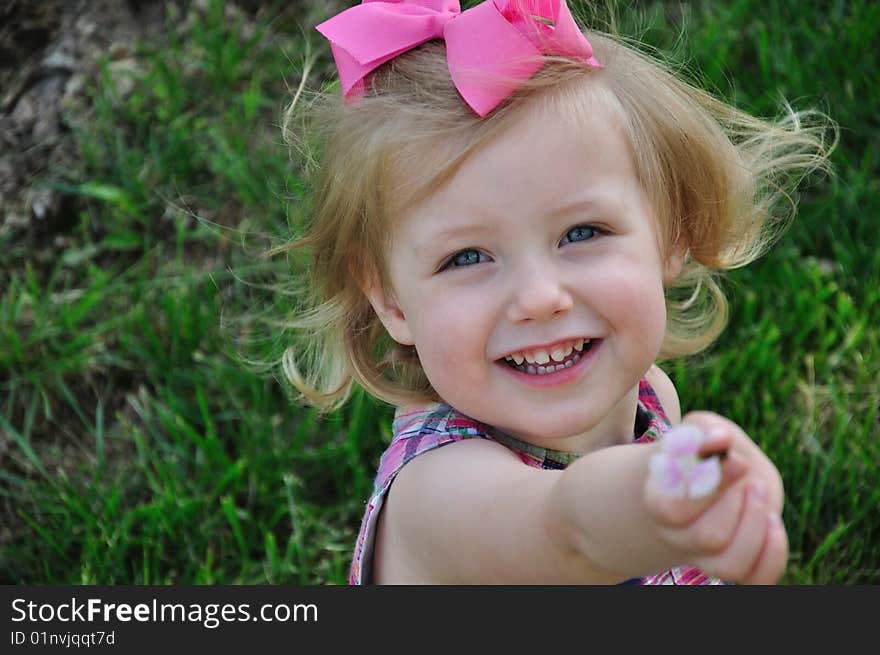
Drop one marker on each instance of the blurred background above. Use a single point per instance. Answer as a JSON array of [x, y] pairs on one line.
[[142, 176]]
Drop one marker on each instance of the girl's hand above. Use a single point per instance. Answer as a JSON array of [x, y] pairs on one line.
[[734, 533]]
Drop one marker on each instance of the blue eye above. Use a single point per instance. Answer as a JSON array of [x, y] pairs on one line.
[[579, 233], [465, 258]]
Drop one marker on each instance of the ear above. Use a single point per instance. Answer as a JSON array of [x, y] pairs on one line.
[[674, 261], [385, 305]]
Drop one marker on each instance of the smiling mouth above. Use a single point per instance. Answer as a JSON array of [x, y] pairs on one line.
[[542, 362]]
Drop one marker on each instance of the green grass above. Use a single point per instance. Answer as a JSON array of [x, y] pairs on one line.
[[136, 448]]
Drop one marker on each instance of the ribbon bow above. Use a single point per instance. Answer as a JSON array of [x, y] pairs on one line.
[[490, 49]]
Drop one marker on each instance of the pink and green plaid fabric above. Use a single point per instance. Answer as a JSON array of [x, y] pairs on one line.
[[420, 428]]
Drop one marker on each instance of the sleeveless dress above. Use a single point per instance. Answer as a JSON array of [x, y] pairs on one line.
[[421, 428]]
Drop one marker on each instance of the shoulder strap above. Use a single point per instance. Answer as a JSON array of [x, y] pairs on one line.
[[655, 419], [417, 429], [420, 428]]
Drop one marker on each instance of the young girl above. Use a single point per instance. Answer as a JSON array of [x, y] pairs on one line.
[[534, 215]]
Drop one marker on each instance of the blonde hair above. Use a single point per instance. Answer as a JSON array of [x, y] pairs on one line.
[[716, 177]]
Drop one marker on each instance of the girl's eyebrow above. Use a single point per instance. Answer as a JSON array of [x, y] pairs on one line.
[[458, 231], [591, 203], [435, 238]]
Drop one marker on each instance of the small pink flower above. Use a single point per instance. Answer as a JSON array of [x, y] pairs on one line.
[[678, 469]]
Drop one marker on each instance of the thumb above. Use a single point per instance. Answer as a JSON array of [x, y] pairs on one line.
[[686, 472]]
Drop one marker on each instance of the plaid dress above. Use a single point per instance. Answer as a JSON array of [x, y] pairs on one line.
[[420, 428]]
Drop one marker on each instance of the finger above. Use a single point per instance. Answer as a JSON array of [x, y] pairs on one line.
[[720, 437], [774, 555], [733, 467], [710, 422], [678, 512], [741, 556], [712, 531], [675, 512], [723, 435], [776, 487], [720, 433]]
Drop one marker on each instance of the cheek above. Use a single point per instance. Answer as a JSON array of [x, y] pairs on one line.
[[451, 340], [635, 303], [637, 300]]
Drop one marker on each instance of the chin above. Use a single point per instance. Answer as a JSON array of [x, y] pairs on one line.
[[544, 431]]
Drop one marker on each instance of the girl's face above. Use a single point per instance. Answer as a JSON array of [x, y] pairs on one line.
[[532, 284]]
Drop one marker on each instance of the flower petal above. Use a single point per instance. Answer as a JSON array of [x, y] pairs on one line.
[[704, 478], [683, 440], [669, 474]]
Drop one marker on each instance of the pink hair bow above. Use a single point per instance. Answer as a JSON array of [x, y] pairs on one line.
[[491, 48]]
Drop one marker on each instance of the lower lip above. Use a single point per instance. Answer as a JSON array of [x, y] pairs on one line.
[[557, 378]]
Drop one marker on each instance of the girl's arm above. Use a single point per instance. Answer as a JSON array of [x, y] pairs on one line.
[[735, 533], [471, 512]]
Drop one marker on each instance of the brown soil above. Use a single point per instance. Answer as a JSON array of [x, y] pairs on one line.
[[48, 51]]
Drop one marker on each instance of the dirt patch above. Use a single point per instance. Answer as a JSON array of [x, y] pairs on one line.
[[49, 53], [48, 50]]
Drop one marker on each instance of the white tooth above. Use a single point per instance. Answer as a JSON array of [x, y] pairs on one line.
[[518, 358], [508, 358], [530, 370], [558, 354], [569, 363], [559, 367], [579, 345], [541, 370], [541, 356], [529, 357]]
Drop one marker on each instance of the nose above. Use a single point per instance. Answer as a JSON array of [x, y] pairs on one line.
[[538, 293]]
